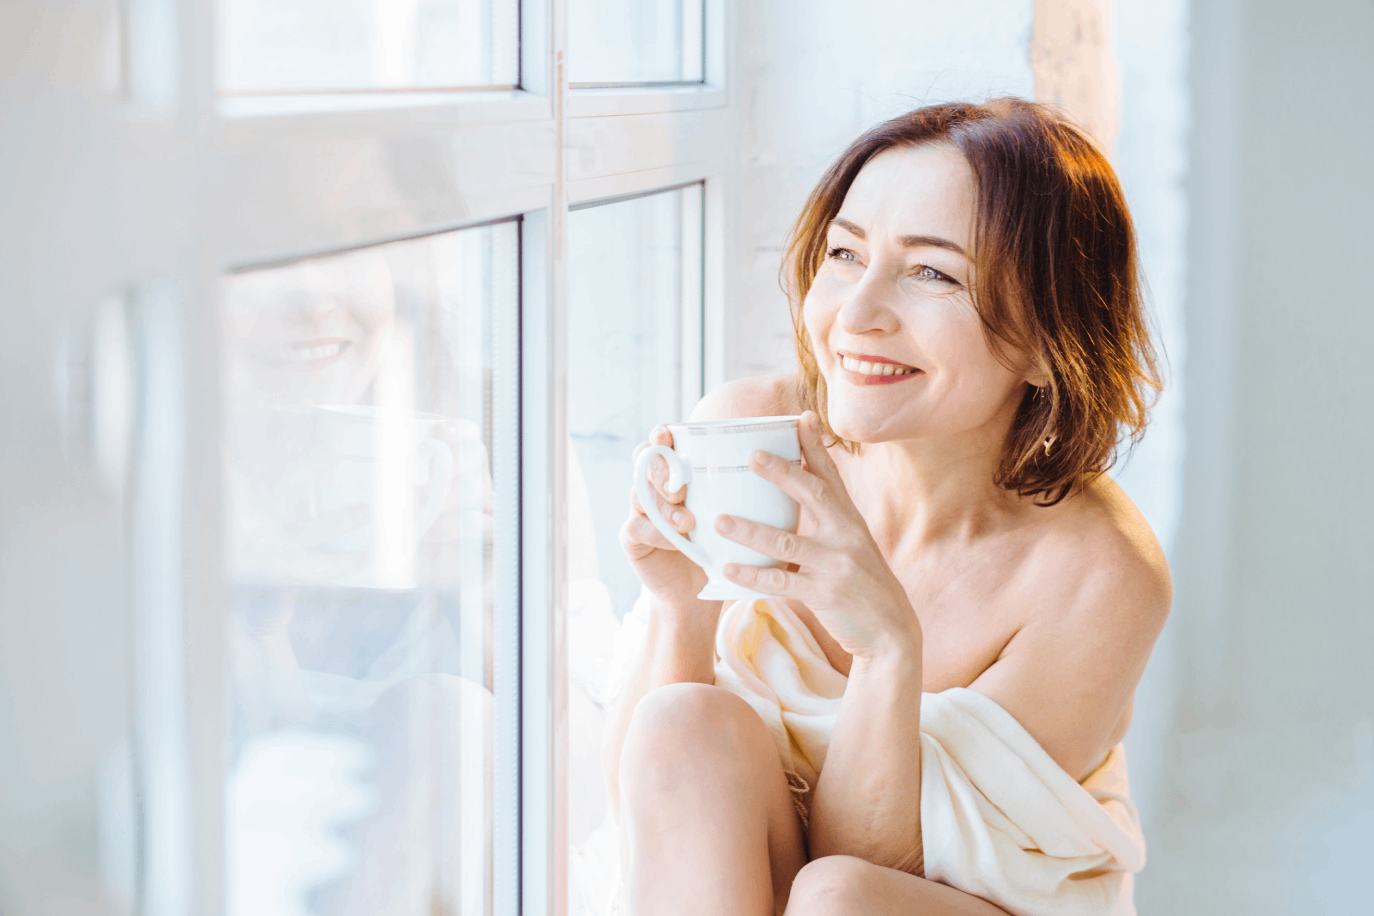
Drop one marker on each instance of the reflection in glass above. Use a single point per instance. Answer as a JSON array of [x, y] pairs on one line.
[[359, 425], [635, 41], [634, 360], [360, 45]]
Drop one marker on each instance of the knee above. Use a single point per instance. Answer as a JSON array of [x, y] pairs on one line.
[[831, 886], [681, 727]]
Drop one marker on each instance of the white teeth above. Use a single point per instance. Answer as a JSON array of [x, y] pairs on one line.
[[289, 353], [867, 368], [306, 354]]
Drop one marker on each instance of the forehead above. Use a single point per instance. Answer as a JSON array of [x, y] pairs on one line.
[[924, 190]]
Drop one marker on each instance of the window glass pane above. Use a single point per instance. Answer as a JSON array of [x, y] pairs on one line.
[[635, 41], [363, 406], [634, 360], [359, 45]]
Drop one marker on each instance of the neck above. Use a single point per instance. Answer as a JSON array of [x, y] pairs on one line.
[[914, 492]]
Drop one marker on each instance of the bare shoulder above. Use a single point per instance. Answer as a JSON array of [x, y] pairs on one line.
[[756, 396], [1101, 544], [1098, 576], [1095, 592]]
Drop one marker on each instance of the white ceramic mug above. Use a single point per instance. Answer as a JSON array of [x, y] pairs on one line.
[[712, 459], [291, 463]]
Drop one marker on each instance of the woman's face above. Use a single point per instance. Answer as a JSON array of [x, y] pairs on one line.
[[310, 333], [890, 313]]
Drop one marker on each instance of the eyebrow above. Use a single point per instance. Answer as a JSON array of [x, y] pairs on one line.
[[906, 241]]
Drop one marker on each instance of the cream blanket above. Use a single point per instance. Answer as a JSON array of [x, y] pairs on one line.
[[999, 818]]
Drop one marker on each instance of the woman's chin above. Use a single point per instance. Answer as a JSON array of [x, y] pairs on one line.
[[851, 430]]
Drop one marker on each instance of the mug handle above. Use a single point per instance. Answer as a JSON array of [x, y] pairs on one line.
[[440, 467], [679, 475]]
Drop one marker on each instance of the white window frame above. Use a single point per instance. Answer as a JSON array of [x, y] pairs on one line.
[[191, 186]]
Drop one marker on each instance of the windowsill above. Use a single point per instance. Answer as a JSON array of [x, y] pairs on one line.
[[617, 100]]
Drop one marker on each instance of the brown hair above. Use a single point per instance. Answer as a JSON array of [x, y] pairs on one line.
[[1057, 274]]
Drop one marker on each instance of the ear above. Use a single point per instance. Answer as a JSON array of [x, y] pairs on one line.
[[1038, 374]]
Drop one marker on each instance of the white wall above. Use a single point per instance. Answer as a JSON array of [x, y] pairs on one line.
[[1270, 797], [811, 79], [1150, 155]]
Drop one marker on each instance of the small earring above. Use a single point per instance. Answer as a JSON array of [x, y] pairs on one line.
[[1048, 442]]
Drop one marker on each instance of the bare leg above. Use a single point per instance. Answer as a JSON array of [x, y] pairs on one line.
[[707, 821], [846, 886]]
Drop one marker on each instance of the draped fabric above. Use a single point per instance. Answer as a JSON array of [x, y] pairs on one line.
[[999, 818]]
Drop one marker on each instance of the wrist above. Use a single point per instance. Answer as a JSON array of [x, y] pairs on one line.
[[686, 618], [681, 642], [894, 652]]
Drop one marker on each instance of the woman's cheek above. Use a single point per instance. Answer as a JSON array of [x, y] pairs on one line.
[[372, 321], [817, 319]]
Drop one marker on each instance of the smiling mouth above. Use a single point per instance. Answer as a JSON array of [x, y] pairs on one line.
[[307, 354], [873, 370]]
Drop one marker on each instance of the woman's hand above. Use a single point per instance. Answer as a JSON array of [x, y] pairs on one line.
[[837, 570], [672, 578]]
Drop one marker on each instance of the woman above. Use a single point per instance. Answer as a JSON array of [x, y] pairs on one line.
[[972, 347]]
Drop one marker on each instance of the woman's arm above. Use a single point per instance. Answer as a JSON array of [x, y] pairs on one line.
[[868, 801], [680, 644]]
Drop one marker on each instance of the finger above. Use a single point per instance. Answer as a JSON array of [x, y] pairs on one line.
[[767, 540], [659, 435], [807, 488], [658, 476], [768, 581], [639, 449], [658, 468], [814, 452], [679, 517], [638, 537]]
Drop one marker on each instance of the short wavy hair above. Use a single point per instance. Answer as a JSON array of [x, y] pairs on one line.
[[1058, 280]]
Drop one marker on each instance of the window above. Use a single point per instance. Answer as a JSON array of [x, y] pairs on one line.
[[636, 42], [294, 46], [369, 413], [315, 392], [634, 345], [634, 360]]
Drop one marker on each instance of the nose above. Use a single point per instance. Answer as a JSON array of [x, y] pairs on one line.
[[315, 298], [311, 306], [868, 306]]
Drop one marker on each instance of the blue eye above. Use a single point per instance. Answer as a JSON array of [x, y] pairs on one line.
[[842, 254], [926, 272]]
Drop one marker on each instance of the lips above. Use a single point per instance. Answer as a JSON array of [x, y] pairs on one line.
[[305, 354], [865, 369]]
